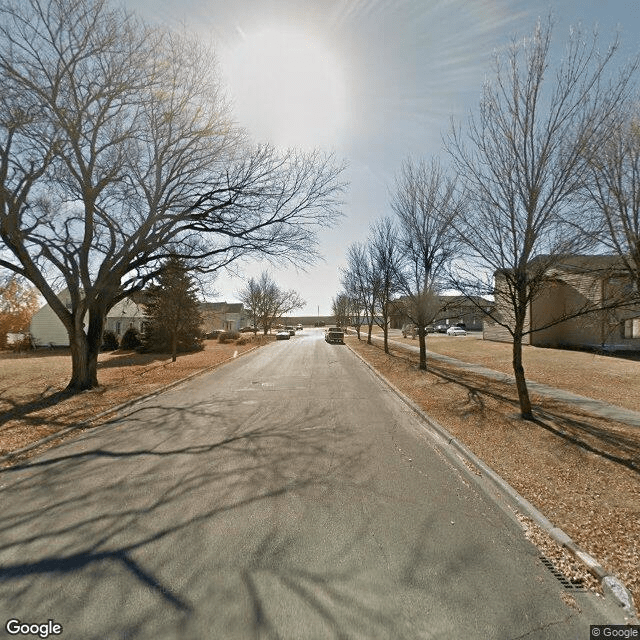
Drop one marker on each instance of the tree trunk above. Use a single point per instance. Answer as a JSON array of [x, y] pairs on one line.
[[85, 348], [423, 348], [386, 338], [369, 333], [521, 383], [174, 335]]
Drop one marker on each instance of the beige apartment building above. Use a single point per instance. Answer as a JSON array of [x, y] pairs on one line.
[[573, 286]]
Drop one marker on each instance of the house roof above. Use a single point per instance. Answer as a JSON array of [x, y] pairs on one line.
[[222, 307], [572, 262], [548, 265], [127, 307]]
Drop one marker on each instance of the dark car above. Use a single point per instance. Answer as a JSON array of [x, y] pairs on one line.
[[283, 334], [291, 330], [441, 328], [334, 335]]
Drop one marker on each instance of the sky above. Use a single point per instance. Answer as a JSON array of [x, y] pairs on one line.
[[372, 81]]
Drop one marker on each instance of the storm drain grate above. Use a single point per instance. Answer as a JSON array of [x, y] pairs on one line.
[[567, 583]]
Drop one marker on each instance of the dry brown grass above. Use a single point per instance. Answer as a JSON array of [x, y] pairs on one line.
[[33, 404], [580, 471], [602, 377]]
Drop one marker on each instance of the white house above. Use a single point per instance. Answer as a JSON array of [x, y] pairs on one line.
[[47, 329], [125, 314]]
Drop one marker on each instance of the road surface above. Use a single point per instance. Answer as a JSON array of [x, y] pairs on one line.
[[286, 495]]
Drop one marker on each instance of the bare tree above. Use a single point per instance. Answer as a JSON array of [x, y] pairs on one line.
[[267, 302], [385, 260], [612, 187], [341, 310], [522, 162], [348, 304], [361, 283], [427, 204], [117, 150]]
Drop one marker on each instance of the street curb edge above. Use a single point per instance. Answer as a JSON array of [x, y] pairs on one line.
[[611, 585], [125, 405]]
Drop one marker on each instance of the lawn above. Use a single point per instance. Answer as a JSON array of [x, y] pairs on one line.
[[33, 404], [610, 379]]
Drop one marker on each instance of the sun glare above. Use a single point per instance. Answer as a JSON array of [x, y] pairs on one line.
[[288, 88]]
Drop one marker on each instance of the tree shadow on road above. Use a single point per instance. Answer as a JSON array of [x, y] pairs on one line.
[[207, 522]]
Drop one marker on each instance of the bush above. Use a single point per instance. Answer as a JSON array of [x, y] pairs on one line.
[[109, 341], [229, 336], [244, 340], [23, 344], [130, 339]]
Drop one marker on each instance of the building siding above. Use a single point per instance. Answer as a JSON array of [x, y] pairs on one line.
[[47, 329], [570, 291]]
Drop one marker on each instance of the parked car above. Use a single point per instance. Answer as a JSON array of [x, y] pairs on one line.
[[441, 328], [298, 327], [247, 329], [283, 334], [212, 335], [291, 330], [456, 331], [334, 335], [412, 330]]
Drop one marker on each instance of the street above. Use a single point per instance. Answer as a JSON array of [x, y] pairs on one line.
[[286, 495]]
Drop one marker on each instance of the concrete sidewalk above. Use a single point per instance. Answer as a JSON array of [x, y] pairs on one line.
[[595, 407]]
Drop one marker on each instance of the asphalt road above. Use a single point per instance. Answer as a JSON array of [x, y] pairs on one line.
[[286, 495]]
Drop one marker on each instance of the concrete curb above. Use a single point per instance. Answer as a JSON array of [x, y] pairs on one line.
[[611, 585], [85, 423]]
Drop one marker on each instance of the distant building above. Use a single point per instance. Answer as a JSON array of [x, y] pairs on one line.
[[452, 310], [46, 328], [226, 316], [126, 314]]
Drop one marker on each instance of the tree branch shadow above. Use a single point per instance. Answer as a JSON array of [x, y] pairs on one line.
[[21, 411], [621, 446], [75, 517]]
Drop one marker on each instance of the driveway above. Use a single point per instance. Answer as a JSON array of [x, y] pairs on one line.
[[287, 495]]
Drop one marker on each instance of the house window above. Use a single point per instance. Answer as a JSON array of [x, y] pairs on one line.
[[632, 328], [117, 328]]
